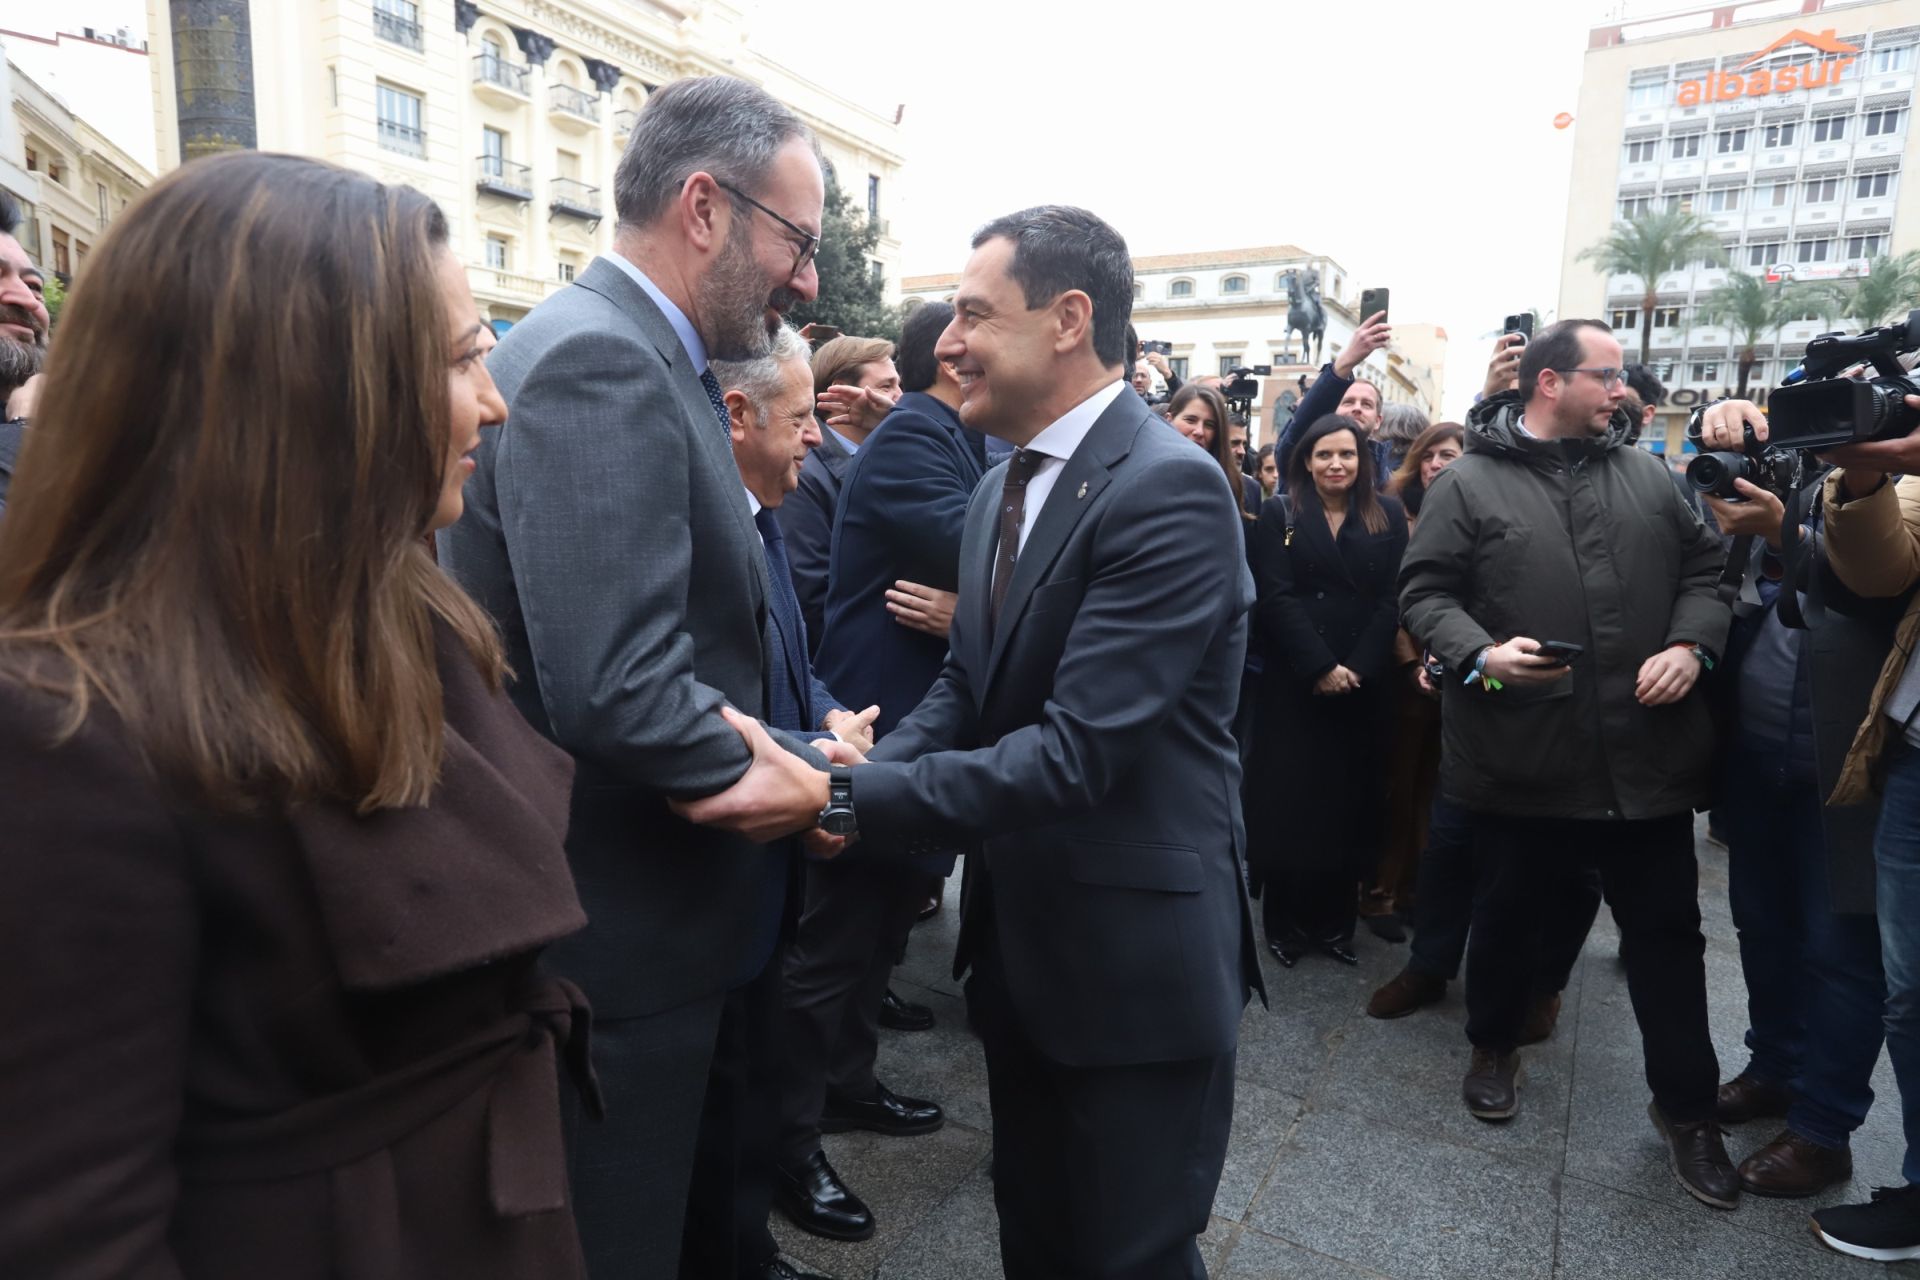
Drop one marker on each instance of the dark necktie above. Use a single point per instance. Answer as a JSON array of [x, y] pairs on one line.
[[785, 709], [719, 400], [1013, 513]]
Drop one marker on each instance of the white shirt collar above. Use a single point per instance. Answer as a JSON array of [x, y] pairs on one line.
[[682, 327], [1064, 434], [753, 503]]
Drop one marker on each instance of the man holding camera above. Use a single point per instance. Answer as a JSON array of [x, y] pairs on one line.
[[1571, 595], [1872, 552]]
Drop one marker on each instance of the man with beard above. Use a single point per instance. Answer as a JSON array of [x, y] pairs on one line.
[[23, 340], [608, 532]]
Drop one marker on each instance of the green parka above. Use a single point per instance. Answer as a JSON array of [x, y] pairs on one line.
[[1582, 541]]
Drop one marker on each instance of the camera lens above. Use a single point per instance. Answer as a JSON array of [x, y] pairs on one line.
[[1714, 473]]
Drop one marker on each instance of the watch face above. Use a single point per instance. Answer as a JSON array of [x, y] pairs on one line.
[[838, 822]]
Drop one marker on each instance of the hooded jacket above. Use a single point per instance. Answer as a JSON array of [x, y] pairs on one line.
[[1582, 541]]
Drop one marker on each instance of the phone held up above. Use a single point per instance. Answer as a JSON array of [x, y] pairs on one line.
[[1520, 323], [1372, 301]]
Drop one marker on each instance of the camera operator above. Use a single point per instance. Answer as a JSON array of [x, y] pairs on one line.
[[1871, 541], [1592, 752]]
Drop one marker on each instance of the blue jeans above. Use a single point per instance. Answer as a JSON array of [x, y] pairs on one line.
[[1814, 987], [1896, 857]]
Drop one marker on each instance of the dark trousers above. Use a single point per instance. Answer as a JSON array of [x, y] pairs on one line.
[[1649, 877], [1815, 992], [1443, 906], [1098, 1172], [1896, 865], [674, 1181], [857, 916], [1309, 903]]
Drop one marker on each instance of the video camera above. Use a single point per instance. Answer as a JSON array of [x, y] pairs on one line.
[[1243, 390], [1816, 408]]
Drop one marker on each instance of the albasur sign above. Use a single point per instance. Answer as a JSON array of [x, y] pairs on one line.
[[1742, 83]]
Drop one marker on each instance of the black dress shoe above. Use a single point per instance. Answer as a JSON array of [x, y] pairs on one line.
[[899, 1015], [1287, 950], [1340, 949], [820, 1204], [885, 1112], [787, 1269], [928, 909]]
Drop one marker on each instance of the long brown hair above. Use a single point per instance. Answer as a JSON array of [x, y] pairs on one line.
[[1217, 406], [1405, 483], [217, 525], [1361, 500]]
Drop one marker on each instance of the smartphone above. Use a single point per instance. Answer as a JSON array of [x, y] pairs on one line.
[[817, 332], [1372, 300], [1521, 324], [1164, 348], [1562, 651]]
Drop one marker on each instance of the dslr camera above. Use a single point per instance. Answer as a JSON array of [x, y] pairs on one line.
[[1816, 408]]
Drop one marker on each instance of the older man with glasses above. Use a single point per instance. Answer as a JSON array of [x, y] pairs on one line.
[[1570, 591]]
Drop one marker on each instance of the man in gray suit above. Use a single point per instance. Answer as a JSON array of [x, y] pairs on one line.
[[1082, 731], [608, 533]]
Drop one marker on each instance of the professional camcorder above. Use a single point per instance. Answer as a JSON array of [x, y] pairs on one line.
[[1818, 409], [1243, 390]]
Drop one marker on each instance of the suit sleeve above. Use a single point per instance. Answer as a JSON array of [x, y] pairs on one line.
[[913, 476], [1288, 634], [1322, 398], [1150, 613], [594, 498], [97, 947], [1436, 574], [806, 521]]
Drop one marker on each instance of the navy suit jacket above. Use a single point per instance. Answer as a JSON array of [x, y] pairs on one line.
[[1087, 741], [806, 517]]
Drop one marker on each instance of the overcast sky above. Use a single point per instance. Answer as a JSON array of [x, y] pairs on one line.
[[1411, 140]]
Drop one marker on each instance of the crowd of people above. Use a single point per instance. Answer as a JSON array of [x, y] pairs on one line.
[[466, 801]]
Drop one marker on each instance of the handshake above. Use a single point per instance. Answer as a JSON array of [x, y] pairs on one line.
[[781, 794]]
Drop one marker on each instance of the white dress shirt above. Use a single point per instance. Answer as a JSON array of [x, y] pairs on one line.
[[1056, 444], [682, 327]]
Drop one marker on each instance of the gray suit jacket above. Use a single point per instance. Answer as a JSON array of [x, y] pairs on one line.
[[607, 531], [1088, 741]]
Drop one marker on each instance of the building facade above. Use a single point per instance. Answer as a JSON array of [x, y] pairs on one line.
[[1228, 308], [511, 114], [1791, 135]]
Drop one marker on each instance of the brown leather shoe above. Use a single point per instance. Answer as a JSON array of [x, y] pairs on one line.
[[1699, 1159], [1747, 1097], [1406, 992], [1543, 1015], [1790, 1167], [1492, 1087]]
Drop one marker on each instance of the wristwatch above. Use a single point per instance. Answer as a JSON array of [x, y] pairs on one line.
[[837, 818]]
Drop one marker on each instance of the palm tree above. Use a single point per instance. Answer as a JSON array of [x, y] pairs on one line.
[[1750, 308], [1888, 288], [1651, 245]]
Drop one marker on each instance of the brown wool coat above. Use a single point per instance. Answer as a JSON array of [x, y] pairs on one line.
[[1873, 546], [315, 1046]]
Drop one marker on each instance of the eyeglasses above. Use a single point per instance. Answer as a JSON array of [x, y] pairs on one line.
[[1609, 378], [809, 242]]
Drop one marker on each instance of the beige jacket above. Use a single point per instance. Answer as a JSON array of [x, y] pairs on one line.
[[1873, 546]]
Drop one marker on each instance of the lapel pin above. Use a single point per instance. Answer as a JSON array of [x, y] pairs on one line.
[[1083, 490]]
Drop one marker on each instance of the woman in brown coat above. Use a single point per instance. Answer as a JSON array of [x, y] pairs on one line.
[[279, 857]]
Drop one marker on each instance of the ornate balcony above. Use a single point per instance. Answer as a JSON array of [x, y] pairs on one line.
[[499, 176]]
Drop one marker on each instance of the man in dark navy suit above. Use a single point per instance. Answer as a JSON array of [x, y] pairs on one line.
[[895, 566]]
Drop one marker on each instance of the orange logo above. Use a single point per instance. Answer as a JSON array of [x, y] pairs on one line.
[[1728, 85]]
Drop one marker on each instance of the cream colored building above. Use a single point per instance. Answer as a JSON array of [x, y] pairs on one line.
[[1227, 308], [1791, 134], [82, 180], [510, 113]]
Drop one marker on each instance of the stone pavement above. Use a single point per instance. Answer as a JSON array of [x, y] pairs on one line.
[[1351, 1154]]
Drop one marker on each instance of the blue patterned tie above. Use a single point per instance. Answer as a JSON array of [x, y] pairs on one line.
[[712, 384], [786, 696]]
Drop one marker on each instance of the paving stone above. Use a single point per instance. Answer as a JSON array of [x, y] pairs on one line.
[[1262, 1118], [1261, 1257], [944, 1064], [1605, 1235]]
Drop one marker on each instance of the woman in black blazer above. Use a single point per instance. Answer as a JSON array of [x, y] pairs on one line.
[[1326, 556]]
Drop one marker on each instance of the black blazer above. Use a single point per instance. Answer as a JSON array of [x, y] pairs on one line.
[[1088, 742], [806, 518], [1326, 601]]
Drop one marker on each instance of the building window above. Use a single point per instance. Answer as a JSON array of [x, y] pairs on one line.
[[57, 169], [493, 152], [1728, 141], [497, 252], [1179, 366], [398, 22], [1228, 364], [1813, 250], [1661, 369], [33, 160], [1781, 135], [1866, 246], [1234, 284], [1626, 319], [1642, 151], [1765, 254], [62, 253], [1724, 199], [1830, 129], [1894, 58], [1139, 290], [1683, 203], [101, 188], [1773, 195], [1704, 371], [1822, 191], [879, 270], [1877, 123], [1871, 186], [564, 271], [567, 164], [1642, 96], [1635, 206], [1666, 317], [399, 119], [1180, 289], [1686, 148], [873, 195]]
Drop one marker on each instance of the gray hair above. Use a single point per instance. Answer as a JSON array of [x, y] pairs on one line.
[[716, 124], [1401, 424], [762, 379]]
